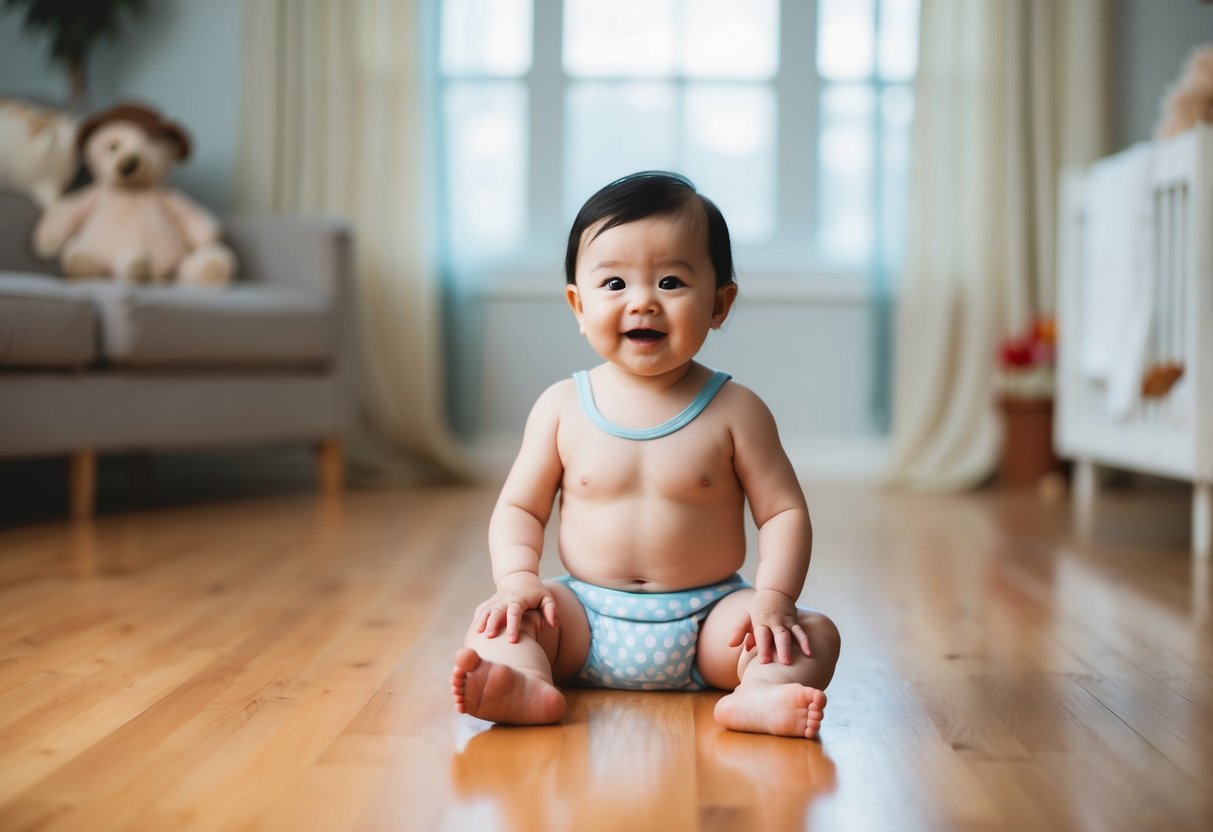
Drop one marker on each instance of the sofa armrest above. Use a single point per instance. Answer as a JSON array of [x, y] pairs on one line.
[[310, 253], [303, 252]]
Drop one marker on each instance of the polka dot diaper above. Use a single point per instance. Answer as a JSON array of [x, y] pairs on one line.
[[645, 640]]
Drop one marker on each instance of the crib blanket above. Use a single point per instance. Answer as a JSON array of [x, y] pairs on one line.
[[1117, 275]]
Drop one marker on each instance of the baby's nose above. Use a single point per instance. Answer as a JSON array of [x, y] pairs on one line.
[[642, 300]]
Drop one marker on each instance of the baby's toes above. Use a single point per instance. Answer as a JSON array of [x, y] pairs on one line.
[[816, 701]]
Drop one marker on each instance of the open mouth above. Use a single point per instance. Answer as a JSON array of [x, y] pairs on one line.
[[645, 336]]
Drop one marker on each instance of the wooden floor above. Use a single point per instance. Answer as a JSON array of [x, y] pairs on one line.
[[282, 663]]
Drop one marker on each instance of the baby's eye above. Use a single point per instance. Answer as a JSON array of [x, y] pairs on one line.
[[615, 284], [669, 282]]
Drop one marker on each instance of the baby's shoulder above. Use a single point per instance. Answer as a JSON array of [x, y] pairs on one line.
[[556, 399], [742, 410], [561, 392], [738, 398]]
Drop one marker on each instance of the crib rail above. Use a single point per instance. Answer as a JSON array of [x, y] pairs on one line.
[[1169, 435]]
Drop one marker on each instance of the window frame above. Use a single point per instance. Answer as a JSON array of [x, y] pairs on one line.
[[784, 266]]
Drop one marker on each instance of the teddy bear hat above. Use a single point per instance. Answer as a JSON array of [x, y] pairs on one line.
[[147, 118]]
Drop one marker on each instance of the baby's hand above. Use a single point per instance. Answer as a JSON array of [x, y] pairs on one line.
[[516, 593], [771, 620]]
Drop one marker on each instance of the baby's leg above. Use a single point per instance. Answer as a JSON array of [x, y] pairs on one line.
[[772, 698], [513, 683]]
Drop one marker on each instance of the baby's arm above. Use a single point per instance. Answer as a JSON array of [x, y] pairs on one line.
[[785, 534], [517, 526]]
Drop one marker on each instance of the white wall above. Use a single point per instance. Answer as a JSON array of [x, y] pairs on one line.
[[1153, 40]]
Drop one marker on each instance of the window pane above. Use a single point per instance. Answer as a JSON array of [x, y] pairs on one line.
[[629, 38], [898, 39], [897, 112], [731, 154], [486, 37], [730, 39], [845, 37], [486, 141], [614, 129], [845, 170]]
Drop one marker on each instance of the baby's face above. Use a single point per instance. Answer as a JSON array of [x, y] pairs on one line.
[[645, 293]]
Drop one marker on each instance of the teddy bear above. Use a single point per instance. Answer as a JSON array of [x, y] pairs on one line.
[[127, 224], [1190, 99]]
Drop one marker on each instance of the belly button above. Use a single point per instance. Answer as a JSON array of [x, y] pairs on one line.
[[585, 480], [706, 482]]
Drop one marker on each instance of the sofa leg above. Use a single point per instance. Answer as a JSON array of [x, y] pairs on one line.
[[82, 482], [330, 466]]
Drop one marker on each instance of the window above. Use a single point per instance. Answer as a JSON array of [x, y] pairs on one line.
[[794, 116]]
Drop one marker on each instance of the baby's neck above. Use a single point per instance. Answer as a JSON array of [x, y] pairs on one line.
[[661, 383]]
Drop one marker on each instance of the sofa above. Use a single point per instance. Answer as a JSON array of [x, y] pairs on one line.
[[92, 366]]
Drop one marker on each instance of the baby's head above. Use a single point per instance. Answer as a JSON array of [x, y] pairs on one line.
[[652, 194]]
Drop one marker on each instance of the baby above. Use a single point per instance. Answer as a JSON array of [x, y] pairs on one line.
[[654, 457]]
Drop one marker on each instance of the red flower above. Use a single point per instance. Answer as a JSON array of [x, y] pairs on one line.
[[1034, 348], [1016, 353]]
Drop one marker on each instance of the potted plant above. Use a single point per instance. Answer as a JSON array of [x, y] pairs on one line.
[[1027, 363], [74, 27]]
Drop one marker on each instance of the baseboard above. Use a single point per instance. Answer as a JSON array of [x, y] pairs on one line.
[[852, 459]]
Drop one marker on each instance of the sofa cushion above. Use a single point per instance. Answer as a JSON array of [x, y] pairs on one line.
[[244, 324], [45, 322], [18, 216]]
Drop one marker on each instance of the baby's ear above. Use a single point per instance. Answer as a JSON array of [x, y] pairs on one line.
[[573, 296], [725, 296]]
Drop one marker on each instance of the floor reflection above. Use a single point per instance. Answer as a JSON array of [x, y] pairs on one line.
[[82, 548], [636, 761]]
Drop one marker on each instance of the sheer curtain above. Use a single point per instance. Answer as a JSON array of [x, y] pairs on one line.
[[333, 124], [1007, 92]]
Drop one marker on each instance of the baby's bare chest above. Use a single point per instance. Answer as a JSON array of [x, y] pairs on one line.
[[694, 464]]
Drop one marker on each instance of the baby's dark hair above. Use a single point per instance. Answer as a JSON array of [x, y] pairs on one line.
[[650, 193]]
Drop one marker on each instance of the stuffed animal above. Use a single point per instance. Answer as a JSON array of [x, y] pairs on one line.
[[127, 224], [1190, 99], [37, 150]]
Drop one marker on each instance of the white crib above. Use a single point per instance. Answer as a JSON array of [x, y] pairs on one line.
[[1169, 435]]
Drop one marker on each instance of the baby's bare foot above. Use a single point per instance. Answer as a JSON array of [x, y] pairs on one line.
[[499, 693], [787, 710]]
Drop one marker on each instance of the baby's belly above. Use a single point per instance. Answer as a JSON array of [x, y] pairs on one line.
[[647, 544]]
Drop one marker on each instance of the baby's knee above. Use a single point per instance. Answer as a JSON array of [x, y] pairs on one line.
[[823, 634], [529, 626]]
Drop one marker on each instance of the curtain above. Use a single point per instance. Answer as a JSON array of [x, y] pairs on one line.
[[334, 123], [1007, 93]]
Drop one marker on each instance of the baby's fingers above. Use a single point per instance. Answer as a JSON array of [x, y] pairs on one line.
[[548, 606], [494, 617], [802, 638], [783, 644], [766, 641], [481, 617], [741, 630], [513, 620]]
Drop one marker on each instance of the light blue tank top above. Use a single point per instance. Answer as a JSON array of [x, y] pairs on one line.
[[582, 377]]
